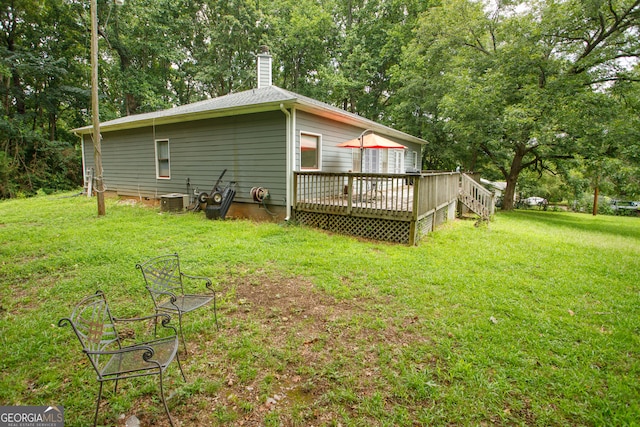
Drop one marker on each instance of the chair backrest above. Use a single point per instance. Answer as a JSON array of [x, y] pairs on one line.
[[162, 274], [92, 322]]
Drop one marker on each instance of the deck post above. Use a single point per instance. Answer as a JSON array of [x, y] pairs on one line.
[[295, 189], [413, 227], [436, 202]]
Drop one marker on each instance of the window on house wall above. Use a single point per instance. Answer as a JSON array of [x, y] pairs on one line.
[[355, 160], [370, 160], [379, 160], [393, 161], [163, 170], [414, 158], [398, 163], [309, 151]]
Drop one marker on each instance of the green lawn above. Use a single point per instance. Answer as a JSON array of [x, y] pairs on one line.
[[534, 320]]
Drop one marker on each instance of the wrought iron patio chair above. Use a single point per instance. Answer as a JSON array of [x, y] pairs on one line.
[[164, 281], [94, 326]]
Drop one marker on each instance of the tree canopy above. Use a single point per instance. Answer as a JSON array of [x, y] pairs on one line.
[[515, 85], [499, 87]]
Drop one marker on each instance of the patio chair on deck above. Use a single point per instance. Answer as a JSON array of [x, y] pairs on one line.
[[163, 280], [94, 326]]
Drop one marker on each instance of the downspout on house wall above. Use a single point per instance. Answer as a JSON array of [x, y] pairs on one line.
[[265, 79], [288, 161], [84, 166]]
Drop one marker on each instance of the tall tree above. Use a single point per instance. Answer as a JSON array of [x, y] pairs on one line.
[[227, 37], [39, 90], [145, 46], [302, 37], [371, 37], [509, 78]]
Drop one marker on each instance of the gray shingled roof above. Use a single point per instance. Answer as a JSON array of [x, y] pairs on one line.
[[268, 98]]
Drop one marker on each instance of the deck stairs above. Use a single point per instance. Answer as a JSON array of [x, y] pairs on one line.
[[477, 198]]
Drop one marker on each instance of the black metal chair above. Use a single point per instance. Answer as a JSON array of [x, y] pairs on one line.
[[94, 326], [163, 280]]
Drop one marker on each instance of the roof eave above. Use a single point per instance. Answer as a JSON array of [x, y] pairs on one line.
[[354, 119], [294, 101], [178, 118]]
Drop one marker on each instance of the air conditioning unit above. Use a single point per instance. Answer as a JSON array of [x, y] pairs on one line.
[[172, 202]]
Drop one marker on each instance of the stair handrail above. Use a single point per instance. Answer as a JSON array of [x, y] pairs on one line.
[[482, 200]]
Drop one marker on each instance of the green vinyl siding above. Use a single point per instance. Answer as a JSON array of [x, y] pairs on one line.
[[337, 159], [251, 147]]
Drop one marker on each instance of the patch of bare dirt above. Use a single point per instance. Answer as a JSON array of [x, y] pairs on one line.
[[135, 201], [283, 345]]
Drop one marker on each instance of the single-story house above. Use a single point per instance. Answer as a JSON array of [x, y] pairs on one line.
[[260, 136]]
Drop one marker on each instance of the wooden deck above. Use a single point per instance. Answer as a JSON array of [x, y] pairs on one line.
[[395, 207]]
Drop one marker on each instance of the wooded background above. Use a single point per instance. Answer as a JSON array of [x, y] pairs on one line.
[[516, 90]]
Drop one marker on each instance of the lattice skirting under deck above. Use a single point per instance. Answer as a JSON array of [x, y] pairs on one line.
[[375, 228], [372, 228], [425, 225]]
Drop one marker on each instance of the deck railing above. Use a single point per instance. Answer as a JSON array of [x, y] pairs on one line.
[[402, 197], [476, 197], [393, 207]]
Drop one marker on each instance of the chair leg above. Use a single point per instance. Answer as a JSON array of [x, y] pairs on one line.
[[95, 417], [155, 325], [184, 343], [180, 366], [164, 402]]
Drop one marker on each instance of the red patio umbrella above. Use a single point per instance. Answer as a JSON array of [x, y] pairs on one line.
[[370, 140]]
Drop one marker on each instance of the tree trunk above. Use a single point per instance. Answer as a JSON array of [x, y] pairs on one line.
[[474, 160], [509, 193], [512, 179], [19, 96], [596, 192], [53, 126], [131, 104], [6, 102]]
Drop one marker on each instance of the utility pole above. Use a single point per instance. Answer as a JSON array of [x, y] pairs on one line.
[[95, 114]]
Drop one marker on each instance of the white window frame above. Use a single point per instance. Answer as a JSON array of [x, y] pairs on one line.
[[318, 150], [371, 162], [415, 160], [355, 160], [398, 161], [385, 166], [158, 159]]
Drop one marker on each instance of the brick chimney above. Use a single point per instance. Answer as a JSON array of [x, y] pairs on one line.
[[264, 67]]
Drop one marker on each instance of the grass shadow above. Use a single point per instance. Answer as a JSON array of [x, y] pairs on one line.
[[613, 225]]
